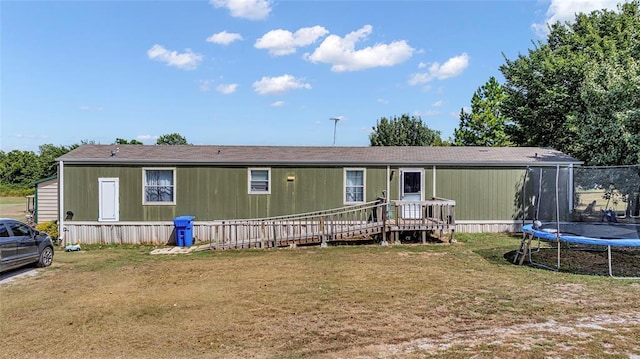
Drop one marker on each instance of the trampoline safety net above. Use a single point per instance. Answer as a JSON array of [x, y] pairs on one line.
[[582, 194], [583, 206]]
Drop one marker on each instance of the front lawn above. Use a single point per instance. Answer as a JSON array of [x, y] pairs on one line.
[[405, 301]]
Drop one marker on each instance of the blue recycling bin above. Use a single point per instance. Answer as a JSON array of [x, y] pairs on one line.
[[184, 230]]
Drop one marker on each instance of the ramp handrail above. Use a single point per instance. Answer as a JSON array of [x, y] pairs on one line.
[[343, 223], [311, 227]]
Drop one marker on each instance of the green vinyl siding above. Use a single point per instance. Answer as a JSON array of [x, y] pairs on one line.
[[218, 193], [428, 183], [376, 183], [482, 193], [81, 193], [222, 193], [214, 193]]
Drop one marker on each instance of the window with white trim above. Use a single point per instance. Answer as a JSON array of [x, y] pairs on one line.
[[159, 186], [354, 190], [259, 180]]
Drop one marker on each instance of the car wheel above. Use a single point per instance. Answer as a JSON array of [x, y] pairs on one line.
[[46, 257]]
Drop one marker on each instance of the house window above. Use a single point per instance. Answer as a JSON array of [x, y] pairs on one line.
[[354, 180], [259, 180], [159, 186]]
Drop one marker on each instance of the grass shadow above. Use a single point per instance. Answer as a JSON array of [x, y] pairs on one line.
[[581, 260]]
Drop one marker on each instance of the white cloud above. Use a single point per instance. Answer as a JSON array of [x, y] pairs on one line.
[[341, 52], [224, 38], [451, 68], [227, 88], [283, 42], [147, 139], [246, 9], [90, 108], [565, 10], [187, 60], [437, 103], [284, 83], [278, 104], [382, 101]]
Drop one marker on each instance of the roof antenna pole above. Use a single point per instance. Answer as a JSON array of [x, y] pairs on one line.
[[335, 124]]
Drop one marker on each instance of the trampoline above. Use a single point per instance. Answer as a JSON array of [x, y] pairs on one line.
[[596, 234], [559, 215]]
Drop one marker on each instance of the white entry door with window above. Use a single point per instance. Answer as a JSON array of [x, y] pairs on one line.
[[411, 185], [109, 203]]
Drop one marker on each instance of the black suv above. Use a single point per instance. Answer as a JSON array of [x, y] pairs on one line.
[[21, 245]]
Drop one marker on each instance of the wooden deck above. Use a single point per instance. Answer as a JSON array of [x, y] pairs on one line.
[[380, 219]]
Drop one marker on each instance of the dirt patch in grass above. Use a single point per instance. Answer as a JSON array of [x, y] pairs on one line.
[[528, 338], [406, 301], [625, 261]]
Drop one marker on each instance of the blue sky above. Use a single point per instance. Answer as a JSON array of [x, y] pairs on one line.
[[252, 72]]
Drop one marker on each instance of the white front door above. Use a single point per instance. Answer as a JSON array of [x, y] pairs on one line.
[[109, 204], [411, 190]]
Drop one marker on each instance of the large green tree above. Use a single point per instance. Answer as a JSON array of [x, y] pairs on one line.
[[610, 125], [19, 168], [122, 141], [484, 125], [47, 159], [578, 91], [172, 139], [403, 131]]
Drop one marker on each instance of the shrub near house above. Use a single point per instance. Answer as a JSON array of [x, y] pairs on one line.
[[50, 228]]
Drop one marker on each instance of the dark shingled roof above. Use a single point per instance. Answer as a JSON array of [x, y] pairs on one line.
[[305, 155]]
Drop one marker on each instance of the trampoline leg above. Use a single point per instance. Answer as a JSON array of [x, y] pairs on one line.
[[609, 260], [558, 242], [523, 250], [611, 270], [527, 249]]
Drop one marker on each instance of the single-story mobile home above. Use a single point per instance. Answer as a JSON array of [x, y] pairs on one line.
[[104, 188]]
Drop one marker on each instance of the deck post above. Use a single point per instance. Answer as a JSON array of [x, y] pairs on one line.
[[275, 235], [383, 209], [323, 235], [423, 231], [224, 234], [396, 233]]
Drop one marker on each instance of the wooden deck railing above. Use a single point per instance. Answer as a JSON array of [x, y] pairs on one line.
[[434, 215], [314, 227], [341, 224]]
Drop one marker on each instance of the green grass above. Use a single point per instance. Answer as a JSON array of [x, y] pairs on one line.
[[406, 301], [13, 207]]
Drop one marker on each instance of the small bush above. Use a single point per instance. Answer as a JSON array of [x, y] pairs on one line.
[[50, 228]]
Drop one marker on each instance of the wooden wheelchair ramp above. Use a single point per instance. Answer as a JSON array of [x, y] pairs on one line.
[[344, 224], [308, 228]]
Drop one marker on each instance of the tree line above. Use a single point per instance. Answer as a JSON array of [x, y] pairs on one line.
[[578, 92], [20, 169]]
